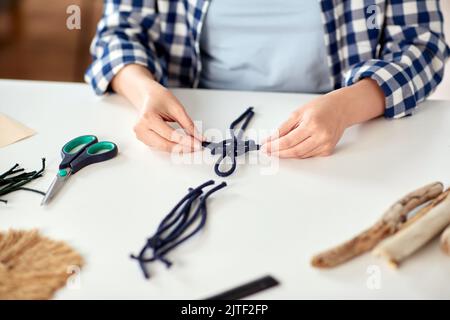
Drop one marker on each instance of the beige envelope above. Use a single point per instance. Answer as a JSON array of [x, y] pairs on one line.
[[12, 131]]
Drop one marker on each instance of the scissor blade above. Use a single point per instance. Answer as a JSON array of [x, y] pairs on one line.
[[56, 185]]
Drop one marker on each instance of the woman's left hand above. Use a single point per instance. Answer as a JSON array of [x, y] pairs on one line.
[[315, 128]]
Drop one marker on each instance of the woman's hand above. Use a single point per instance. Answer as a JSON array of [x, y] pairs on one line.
[[156, 106], [315, 129], [312, 130]]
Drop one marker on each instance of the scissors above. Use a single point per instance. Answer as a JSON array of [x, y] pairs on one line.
[[77, 154]]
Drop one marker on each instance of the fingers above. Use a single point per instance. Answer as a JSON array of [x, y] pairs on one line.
[[311, 147], [299, 150], [291, 139], [186, 123], [285, 127], [154, 140], [316, 149], [321, 151], [161, 107], [162, 128]]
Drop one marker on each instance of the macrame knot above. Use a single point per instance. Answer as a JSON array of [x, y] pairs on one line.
[[233, 147], [154, 242]]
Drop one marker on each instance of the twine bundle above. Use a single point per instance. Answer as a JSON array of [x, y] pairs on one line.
[[33, 266]]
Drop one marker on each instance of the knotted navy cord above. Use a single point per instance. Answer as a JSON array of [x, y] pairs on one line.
[[170, 231], [233, 147]]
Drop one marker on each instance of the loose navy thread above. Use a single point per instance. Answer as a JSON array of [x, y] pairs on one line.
[[169, 234], [236, 146]]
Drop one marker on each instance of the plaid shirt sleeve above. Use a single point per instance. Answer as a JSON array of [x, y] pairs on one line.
[[412, 57], [124, 36]]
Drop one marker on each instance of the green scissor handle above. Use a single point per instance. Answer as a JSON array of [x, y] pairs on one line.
[[74, 148], [83, 151]]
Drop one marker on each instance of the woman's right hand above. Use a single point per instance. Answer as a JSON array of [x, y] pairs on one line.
[[156, 106]]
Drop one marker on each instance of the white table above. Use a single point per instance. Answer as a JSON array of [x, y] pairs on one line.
[[260, 224]]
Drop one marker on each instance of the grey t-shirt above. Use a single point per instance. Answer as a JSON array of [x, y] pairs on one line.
[[264, 45]]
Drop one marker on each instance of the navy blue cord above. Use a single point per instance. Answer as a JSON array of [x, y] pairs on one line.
[[236, 146], [169, 233]]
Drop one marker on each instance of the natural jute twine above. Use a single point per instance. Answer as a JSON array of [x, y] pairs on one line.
[[33, 266]]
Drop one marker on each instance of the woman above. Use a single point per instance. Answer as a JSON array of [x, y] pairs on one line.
[[370, 57]]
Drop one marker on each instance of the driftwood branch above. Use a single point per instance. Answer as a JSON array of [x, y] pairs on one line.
[[411, 238], [389, 224], [445, 241]]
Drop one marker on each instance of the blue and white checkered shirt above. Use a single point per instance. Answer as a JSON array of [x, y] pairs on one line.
[[398, 43]]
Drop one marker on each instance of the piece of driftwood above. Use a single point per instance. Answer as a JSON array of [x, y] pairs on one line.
[[33, 266], [445, 241], [390, 223], [411, 238]]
